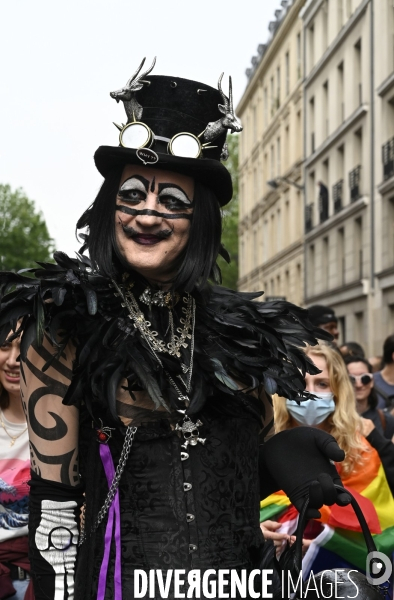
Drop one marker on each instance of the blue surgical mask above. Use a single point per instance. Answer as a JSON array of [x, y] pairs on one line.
[[312, 412]]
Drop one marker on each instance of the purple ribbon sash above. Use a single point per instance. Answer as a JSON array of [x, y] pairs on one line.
[[113, 518]]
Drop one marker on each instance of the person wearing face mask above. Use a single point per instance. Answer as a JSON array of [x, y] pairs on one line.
[[367, 470]]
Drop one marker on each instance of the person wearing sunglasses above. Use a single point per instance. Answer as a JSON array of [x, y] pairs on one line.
[[361, 378], [367, 451], [146, 387]]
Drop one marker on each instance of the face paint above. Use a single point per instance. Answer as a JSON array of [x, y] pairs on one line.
[[133, 211], [153, 213]]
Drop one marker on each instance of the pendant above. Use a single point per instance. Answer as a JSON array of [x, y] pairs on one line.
[[12, 442], [190, 432], [103, 434]]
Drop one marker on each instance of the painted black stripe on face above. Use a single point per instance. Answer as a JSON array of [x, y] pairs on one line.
[[154, 213]]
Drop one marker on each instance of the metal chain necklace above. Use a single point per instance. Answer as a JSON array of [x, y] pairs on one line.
[[152, 337], [157, 345], [13, 438]]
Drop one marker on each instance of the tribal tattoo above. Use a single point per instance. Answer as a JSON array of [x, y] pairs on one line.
[[53, 426]]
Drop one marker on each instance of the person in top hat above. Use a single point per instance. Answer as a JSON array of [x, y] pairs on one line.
[[147, 389], [325, 318]]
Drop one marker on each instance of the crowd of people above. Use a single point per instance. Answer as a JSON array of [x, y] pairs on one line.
[[347, 405], [146, 391]]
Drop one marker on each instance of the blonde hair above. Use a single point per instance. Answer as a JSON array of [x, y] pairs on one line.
[[344, 424]]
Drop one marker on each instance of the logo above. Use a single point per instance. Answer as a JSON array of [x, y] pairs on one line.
[[379, 568], [147, 156]]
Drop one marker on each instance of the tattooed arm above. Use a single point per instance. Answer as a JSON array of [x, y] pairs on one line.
[[53, 427], [56, 493]]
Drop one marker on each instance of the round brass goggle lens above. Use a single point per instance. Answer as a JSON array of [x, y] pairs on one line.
[[136, 135], [185, 145]]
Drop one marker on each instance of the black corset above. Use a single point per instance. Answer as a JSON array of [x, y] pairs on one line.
[[180, 509]]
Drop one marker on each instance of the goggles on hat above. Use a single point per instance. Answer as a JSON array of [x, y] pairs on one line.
[[138, 135], [364, 379]]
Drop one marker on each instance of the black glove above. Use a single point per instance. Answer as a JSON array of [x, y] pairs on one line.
[[298, 462]]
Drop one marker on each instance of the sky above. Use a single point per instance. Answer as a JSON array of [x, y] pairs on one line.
[[60, 60]]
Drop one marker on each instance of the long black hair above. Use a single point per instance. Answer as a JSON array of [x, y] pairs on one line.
[[353, 358], [197, 262]]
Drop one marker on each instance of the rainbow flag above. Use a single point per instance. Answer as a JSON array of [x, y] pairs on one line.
[[341, 543]]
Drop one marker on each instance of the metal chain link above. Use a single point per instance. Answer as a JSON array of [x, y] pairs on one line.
[[128, 442]]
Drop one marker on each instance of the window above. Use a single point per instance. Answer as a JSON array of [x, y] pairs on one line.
[[273, 236], [254, 113], [357, 73], [278, 157], [312, 124], [272, 96], [358, 146], [311, 44], [286, 148], [341, 256], [299, 213], [279, 231], [326, 108], [325, 24], [299, 135], [298, 286], [389, 234], [311, 196], [311, 270], [324, 263], [265, 107], [277, 88], [266, 242], [390, 36], [358, 248], [287, 226], [341, 103], [287, 64], [299, 58], [265, 173], [340, 164]]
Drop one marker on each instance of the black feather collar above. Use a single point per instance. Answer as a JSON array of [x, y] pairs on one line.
[[238, 341]]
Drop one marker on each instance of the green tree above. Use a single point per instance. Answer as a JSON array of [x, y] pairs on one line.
[[230, 220], [24, 237]]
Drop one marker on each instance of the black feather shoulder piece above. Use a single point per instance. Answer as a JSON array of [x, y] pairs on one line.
[[239, 344]]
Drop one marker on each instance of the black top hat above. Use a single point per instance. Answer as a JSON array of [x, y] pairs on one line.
[[177, 125]]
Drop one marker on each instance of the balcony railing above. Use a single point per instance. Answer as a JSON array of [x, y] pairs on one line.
[[337, 194], [323, 203], [308, 218], [388, 159], [354, 183]]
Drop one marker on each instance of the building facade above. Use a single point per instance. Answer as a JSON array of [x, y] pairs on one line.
[[347, 101], [271, 215], [331, 242]]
